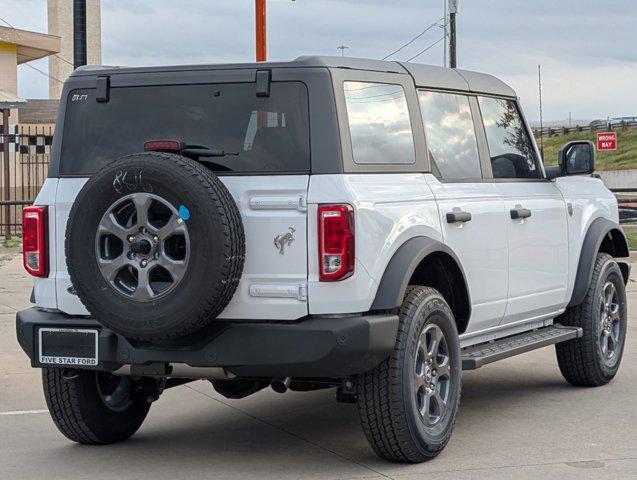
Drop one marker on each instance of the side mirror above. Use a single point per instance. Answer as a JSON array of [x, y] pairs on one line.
[[577, 158]]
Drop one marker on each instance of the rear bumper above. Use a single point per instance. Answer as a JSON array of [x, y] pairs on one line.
[[314, 347]]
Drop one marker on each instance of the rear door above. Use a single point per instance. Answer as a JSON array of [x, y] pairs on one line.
[[535, 214], [471, 210], [274, 213], [267, 172]]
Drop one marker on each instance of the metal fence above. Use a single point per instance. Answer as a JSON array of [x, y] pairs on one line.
[[607, 127], [627, 202], [22, 174]]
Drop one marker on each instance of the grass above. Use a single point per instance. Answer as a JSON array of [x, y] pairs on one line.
[[631, 237], [14, 242], [625, 157]]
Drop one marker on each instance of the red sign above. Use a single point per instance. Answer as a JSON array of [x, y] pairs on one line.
[[607, 141]]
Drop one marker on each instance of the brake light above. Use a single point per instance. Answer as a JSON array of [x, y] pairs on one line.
[[336, 242], [163, 146], [34, 241]]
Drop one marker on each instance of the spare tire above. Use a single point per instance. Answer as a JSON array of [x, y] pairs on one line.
[[155, 247]]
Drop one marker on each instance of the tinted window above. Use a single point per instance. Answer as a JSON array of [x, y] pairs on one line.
[[510, 148], [379, 123], [451, 137], [270, 134]]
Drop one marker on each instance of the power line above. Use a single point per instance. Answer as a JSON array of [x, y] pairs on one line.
[[414, 39], [63, 59], [43, 73], [4, 21], [37, 69], [54, 54], [428, 48]]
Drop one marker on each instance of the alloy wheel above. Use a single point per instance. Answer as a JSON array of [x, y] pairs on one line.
[[142, 247], [432, 375], [609, 324]]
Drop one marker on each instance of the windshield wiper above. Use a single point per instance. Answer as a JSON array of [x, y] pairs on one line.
[[202, 151]]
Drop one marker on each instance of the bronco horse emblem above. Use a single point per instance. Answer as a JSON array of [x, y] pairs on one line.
[[280, 241]]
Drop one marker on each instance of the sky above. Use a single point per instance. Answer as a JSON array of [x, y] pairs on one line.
[[587, 49]]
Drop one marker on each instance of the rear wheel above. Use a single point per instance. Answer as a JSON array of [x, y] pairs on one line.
[[95, 407], [408, 404], [594, 359], [155, 247]]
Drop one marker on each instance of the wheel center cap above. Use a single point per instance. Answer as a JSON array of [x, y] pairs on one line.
[[142, 247]]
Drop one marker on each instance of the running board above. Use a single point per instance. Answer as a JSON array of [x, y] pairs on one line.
[[484, 353]]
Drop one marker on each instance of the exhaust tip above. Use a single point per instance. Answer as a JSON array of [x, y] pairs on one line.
[[280, 384]]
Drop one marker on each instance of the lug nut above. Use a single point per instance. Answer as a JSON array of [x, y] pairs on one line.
[[144, 263], [131, 238], [156, 239]]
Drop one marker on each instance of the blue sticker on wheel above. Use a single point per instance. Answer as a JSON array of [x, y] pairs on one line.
[[184, 213]]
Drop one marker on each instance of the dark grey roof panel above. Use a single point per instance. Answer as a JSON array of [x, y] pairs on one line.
[[483, 83], [352, 63], [304, 61], [424, 75], [436, 77]]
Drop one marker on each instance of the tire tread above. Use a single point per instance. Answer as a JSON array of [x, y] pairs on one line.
[[380, 403], [577, 358]]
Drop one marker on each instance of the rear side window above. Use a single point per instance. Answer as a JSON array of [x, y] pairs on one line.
[[379, 123], [268, 134], [451, 137], [510, 147]]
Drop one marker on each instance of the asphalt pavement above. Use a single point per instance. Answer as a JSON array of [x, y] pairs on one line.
[[518, 419]]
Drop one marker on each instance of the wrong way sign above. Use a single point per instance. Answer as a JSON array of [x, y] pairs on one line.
[[607, 141]]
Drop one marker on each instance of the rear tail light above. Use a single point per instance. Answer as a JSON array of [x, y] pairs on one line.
[[34, 241], [336, 242], [163, 146]]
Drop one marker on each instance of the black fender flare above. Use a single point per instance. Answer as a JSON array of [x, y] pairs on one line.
[[402, 265], [595, 235]]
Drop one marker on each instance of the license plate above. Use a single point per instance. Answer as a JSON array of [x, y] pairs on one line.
[[68, 346]]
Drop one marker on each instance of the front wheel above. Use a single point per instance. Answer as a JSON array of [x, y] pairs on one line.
[[594, 359], [94, 408], [408, 404]]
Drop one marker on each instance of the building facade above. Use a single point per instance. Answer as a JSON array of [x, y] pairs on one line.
[[60, 20]]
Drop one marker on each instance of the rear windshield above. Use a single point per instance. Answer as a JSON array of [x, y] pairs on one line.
[[264, 134]]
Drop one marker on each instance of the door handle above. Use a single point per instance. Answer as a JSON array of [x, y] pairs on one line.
[[458, 216], [519, 212]]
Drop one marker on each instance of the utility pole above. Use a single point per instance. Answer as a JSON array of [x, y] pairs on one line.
[[261, 33], [453, 11], [539, 85], [444, 28], [79, 33], [342, 48], [7, 171]]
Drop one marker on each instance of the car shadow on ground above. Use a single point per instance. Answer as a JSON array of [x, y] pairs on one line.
[[216, 429]]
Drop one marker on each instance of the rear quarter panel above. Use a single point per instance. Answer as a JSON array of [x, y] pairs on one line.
[[389, 210]]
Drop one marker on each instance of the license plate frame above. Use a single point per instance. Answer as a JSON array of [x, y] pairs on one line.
[[68, 347]]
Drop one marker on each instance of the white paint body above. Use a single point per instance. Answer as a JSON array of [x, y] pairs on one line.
[[520, 273]]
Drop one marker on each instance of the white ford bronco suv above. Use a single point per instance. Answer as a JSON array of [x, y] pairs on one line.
[[373, 226]]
